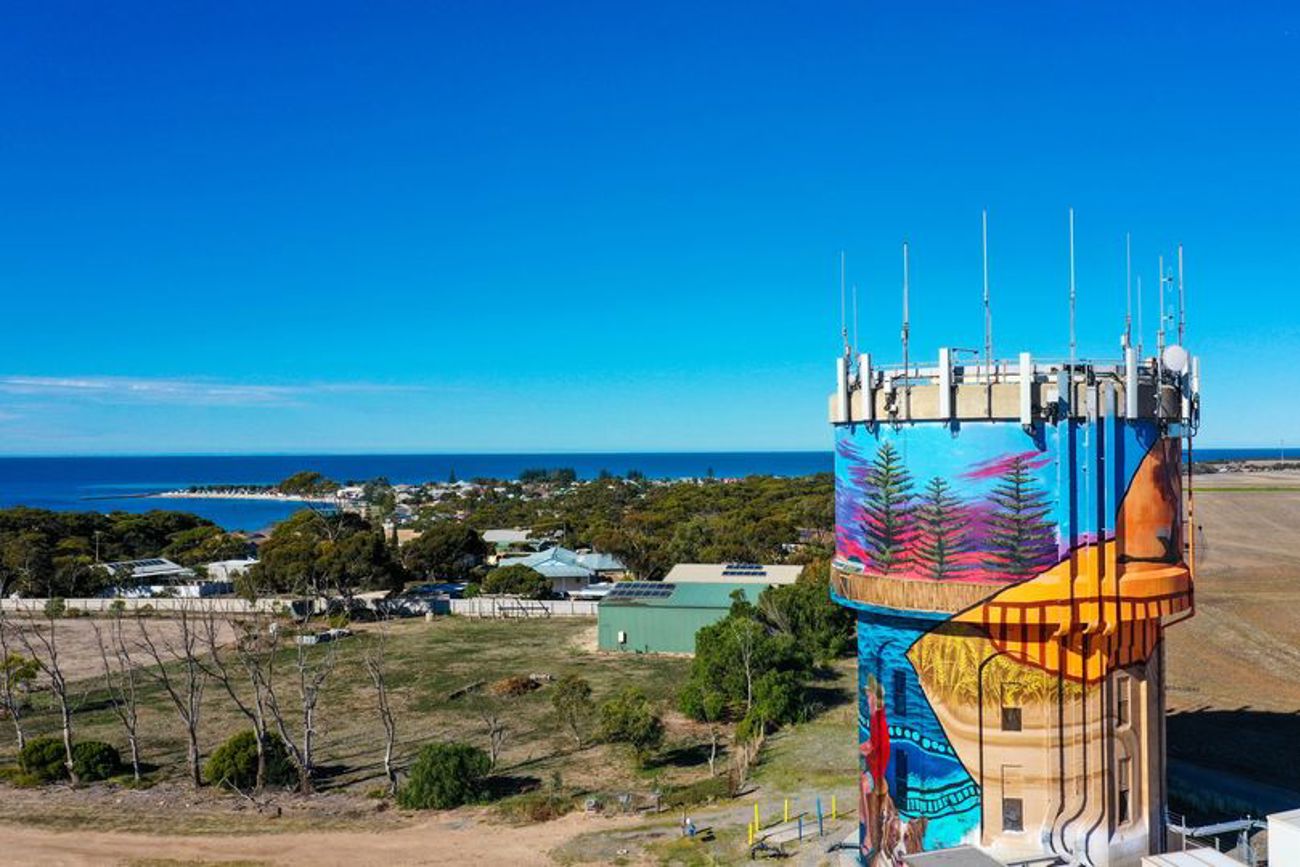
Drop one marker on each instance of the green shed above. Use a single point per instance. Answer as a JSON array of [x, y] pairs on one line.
[[659, 617]]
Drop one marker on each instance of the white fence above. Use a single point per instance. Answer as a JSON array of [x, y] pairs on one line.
[[509, 606], [101, 606], [479, 606]]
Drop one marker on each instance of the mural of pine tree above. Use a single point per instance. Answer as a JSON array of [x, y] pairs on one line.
[[888, 507], [941, 522], [1019, 538]]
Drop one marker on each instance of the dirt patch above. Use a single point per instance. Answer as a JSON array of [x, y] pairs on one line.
[[78, 645], [321, 830]]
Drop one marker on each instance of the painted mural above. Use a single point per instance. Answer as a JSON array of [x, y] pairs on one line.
[[1063, 540]]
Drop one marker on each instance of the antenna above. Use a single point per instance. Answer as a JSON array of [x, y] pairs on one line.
[[1160, 329], [1128, 290], [844, 328], [1139, 293], [856, 344], [1182, 298], [1072, 345], [988, 316], [907, 368]]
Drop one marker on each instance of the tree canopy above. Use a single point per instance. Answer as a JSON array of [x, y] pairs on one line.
[[753, 665], [517, 580], [445, 550], [45, 553], [324, 554], [307, 483]]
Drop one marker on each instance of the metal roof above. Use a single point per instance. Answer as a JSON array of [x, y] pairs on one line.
[[560, 562], [669, 595], [734, 573]]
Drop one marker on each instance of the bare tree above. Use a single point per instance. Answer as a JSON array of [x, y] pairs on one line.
[[494, 725], [16, 675], [185, 686], [312, 666], [42, 645], [375, 658], [121, 681], [253, 646], [496, 732], [745, 632]]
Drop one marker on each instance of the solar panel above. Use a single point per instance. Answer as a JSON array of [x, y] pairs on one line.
[[641, 590]]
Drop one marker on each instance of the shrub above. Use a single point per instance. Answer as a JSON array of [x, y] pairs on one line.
[[43, 758], [445, 776], [95, 760], [234, 763], [629, 718], [538, 806], [517, 580], [55, 607], [702, 791]]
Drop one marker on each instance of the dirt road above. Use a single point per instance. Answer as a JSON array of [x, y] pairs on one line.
[[461, 840]]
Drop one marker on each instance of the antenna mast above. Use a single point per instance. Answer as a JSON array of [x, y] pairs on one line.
[[1139, 293], [1128, 290], [1182, 298], [1160, 329], [988, 316], [907, 367], [844, 327], [1072, 345], [856, 345]]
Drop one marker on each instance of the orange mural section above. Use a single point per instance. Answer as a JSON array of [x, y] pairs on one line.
[[1096, 611]]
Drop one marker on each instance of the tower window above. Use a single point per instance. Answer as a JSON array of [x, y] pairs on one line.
[[1123, 805], [1011, 721], [1013, 814], [1123, 690], [900, 788], [900, 691], [1013, 803]]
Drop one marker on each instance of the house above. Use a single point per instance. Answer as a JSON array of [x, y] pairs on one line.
[[226, 570], [158, 576], [156, 570], [569, 571], [503, 538], [733, 573]]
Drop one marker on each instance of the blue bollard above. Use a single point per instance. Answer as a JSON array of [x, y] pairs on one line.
[[800, 827], [821, 830]]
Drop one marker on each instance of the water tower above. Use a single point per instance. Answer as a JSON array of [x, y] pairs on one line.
[[1010, 535]]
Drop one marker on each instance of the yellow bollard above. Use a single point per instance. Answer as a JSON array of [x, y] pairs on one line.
[[787, 811], [757, 824], [749, 826], [833, 815]]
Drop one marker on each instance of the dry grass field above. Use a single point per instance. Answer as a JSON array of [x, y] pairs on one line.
[[1234, 668]]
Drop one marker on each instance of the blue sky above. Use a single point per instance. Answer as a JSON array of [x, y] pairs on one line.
[[612, 226]]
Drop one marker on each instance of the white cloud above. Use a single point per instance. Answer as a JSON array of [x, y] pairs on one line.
[[189, 391]]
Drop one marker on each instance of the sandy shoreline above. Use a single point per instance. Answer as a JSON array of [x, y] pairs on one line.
[[239, 495]]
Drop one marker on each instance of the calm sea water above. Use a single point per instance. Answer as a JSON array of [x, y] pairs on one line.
[[120, 483]]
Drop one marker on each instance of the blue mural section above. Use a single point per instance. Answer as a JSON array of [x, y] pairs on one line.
[[911, 778], [936, 501]]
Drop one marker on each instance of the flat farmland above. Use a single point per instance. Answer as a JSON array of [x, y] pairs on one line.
[[1234, 668]]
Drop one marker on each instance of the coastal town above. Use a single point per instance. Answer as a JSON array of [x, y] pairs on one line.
[[649, 434]]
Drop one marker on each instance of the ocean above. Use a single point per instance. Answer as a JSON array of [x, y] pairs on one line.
[[109, 484], [121, 483]]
